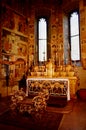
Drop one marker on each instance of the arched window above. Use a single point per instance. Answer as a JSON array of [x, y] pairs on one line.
[[42, 40], [74, 36]]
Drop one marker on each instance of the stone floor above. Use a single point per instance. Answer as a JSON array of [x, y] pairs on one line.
[[74, 117]]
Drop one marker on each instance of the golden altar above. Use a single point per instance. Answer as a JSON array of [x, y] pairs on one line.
[[50, 75], [55, 86]]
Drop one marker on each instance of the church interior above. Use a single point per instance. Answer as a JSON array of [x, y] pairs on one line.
[[43, 54]]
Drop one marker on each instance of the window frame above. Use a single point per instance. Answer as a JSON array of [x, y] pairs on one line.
[[42, 62], [78, 62]]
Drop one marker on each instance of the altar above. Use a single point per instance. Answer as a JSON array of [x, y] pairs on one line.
[[56, 86], [54, 79]]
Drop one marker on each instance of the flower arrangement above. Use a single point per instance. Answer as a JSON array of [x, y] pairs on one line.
[[38, 103], [16, 98]]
